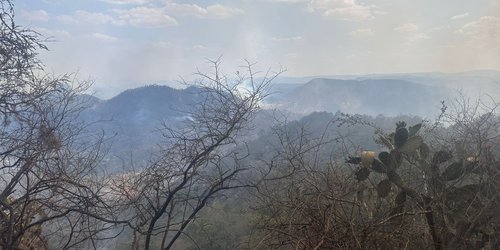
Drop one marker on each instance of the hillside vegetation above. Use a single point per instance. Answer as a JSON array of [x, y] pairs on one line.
[[245, 161]]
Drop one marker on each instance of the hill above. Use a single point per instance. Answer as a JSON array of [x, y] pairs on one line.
[[370, 96]]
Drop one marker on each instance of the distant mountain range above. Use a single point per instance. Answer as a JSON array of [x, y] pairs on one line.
[[388, 94], [426, 78], [130, 118], [371, 96]]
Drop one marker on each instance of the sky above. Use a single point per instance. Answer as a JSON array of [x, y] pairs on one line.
[[121, 44]]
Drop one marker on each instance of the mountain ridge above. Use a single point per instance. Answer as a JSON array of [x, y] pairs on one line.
[[369, 96]]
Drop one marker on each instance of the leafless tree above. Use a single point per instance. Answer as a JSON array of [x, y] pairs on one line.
[[50, 185], [431, 186], [309, 199], [198, 161]]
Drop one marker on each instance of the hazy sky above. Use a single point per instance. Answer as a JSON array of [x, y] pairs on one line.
[[126, 43]]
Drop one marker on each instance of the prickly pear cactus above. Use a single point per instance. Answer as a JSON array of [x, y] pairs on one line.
[[460, 191], [404, 141]]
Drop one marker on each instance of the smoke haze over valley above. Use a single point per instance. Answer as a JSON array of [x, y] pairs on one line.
[[249, 124]]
